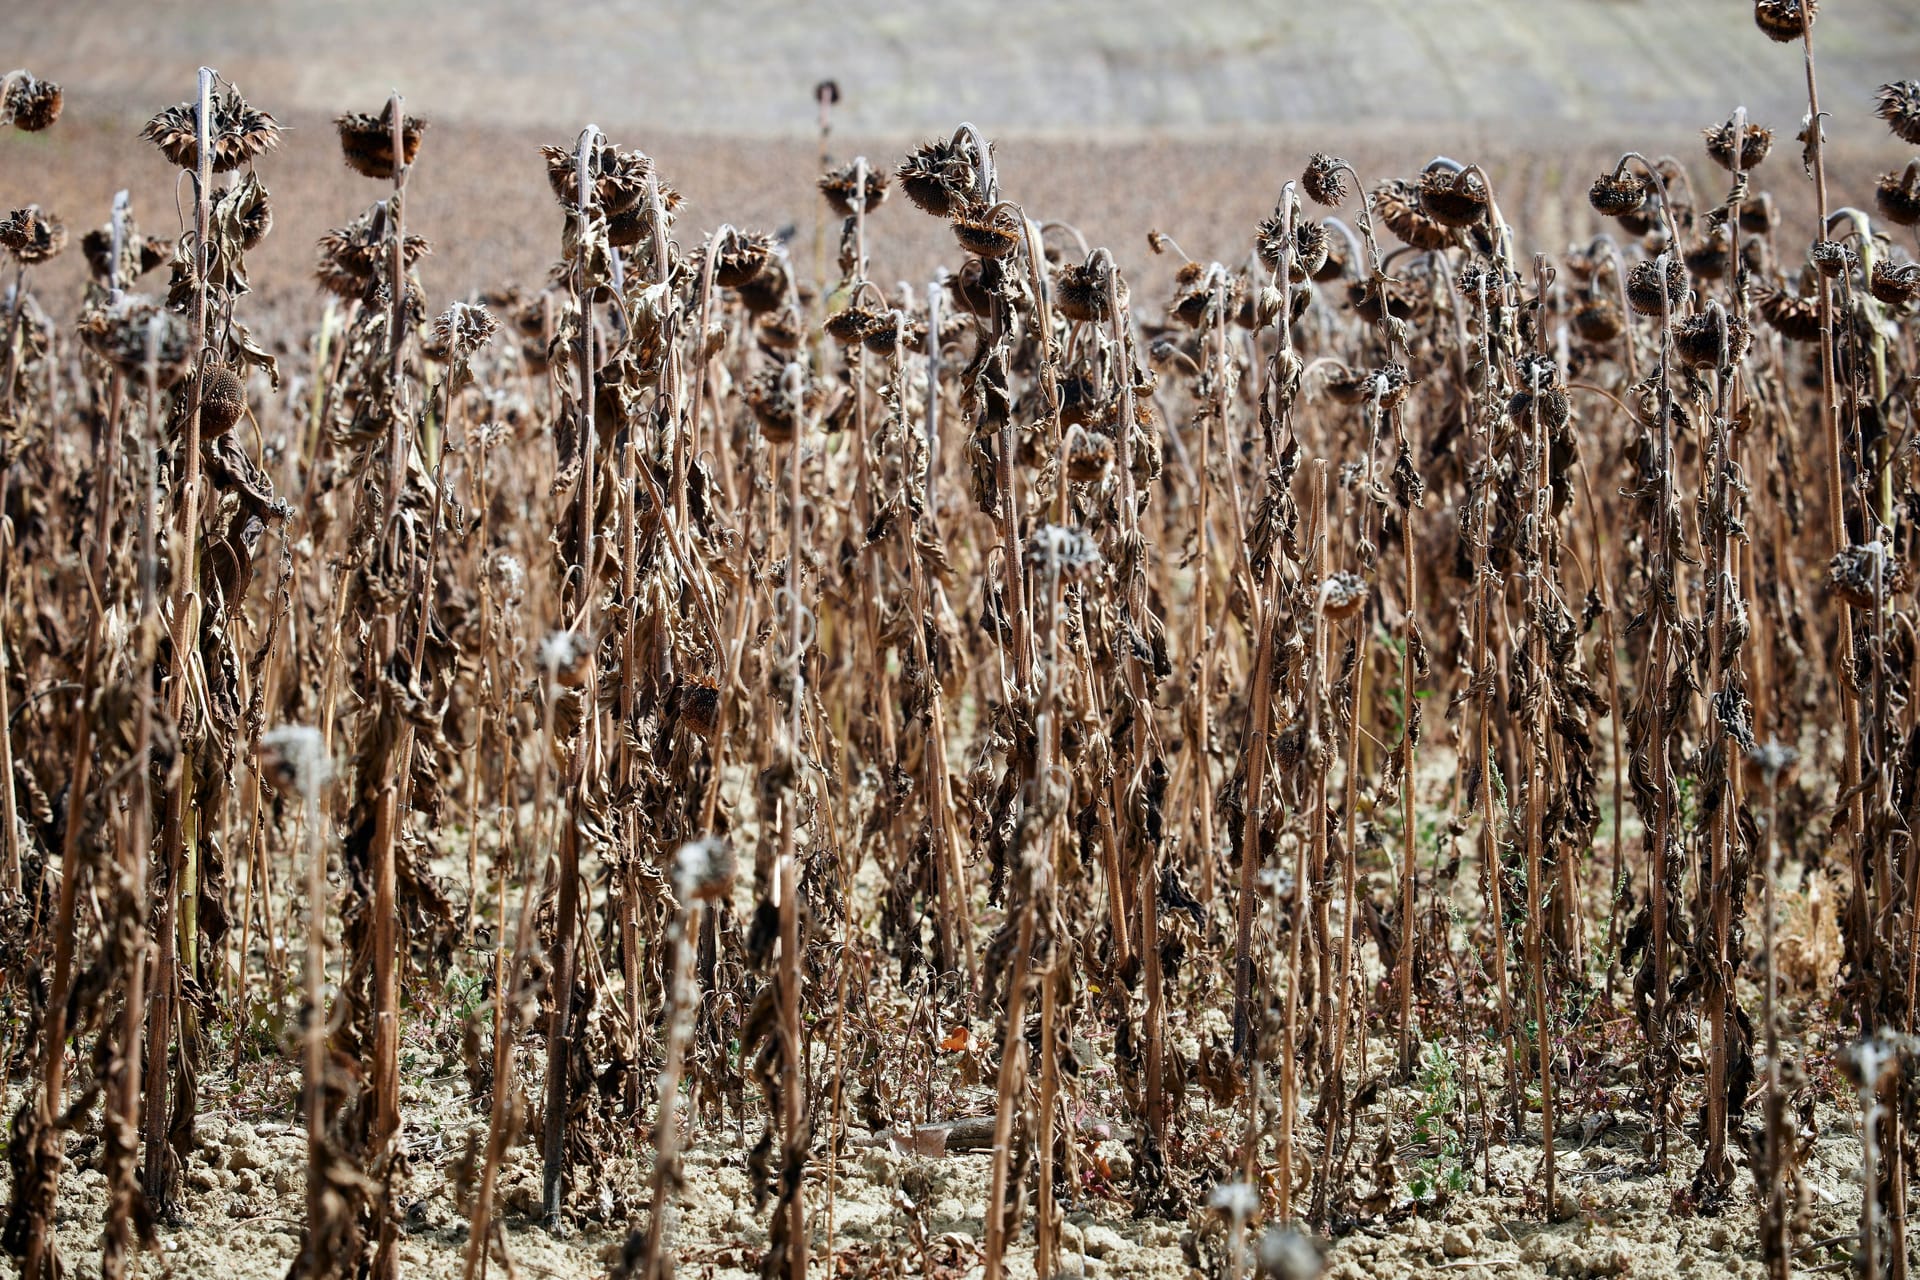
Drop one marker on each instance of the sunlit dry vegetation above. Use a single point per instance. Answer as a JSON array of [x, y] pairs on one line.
[[1392, 723]]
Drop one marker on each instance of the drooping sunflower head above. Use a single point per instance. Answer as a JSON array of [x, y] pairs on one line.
[[30, 104], [367, 140], [32, 237], [1784, 21], [237, 131]]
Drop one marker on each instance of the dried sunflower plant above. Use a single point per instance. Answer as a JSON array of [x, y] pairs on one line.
[[1407, 723]]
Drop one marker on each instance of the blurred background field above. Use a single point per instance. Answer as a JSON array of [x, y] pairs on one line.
[[1116, 116]]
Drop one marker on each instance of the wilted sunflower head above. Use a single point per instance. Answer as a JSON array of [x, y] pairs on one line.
[[1345, 384], [1079, 398], [1784, 21], [1832, 258], [766, 291], [461, 330], [1707, 257], [1897, 195], [1759, 214], [238, 130], [97, 245], [1584, 264], [851, 324], [355, 260], [783, 400], [127, 333], [138, 254], [1342, 594], [1480, 281], [1080, 292], [847, 187], [738, 257], [939, 176], [1644, 293], [1618, 193], [1311, 244], [1325, 180], [1374, 300], [1864, 572], [1201, 294], [1312, 249], [1454, 198], [1895, 283], [1391, 383], [1711, 339], [698, 704], [1270, 239], [987, 232], [1396, 202], [1089, 455], [223, 398], [1388, 385], [1597, 319], [1794, 318], [616, 178], [1340, 252], [367, 141], [31, 236], [1899, 105], [30, 104], [1644, 221], [781, 331], [888, 331], [1535, 372], [634, 224], [1541, 394], [1755, 142]]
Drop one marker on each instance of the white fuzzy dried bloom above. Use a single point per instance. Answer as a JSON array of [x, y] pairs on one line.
[[295, 758], [1059, 549], [561, 650], [1237, 1200], [1772, 758], [512, 577], [1286, 1254], [703, 869]]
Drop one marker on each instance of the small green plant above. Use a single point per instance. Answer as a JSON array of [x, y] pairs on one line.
[[1442, 1170], [466, 995]]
